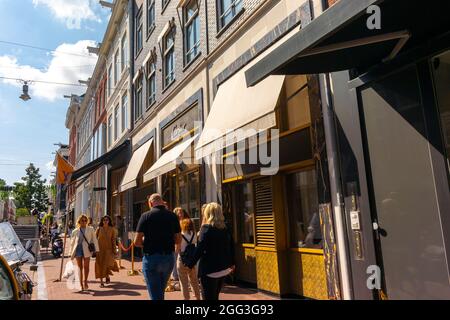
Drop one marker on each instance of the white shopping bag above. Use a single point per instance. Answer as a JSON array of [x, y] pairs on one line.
[[69, 270]]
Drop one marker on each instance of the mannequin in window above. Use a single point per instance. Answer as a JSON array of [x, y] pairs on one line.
[[314, 237]]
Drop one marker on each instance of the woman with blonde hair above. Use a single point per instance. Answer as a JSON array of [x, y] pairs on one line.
[[83, 245], [215, 250], [105, 263]]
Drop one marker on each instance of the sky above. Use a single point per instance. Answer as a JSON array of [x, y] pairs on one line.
[[28, 130]]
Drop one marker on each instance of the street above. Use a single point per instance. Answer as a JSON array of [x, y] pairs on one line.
[[122, 286]]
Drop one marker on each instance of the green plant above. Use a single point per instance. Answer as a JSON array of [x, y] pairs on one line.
[[22, 212]]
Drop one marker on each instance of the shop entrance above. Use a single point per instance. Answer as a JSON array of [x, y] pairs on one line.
[[404, 157]]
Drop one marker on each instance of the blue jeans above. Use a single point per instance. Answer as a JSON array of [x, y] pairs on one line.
[[156, 269]]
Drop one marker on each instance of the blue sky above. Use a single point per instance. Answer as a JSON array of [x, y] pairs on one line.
[[29, 129]]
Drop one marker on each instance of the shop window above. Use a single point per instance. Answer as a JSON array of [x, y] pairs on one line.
[[192, 30], [303, 210], [296, 109], [244, 212], [228, 9], [441, 66]]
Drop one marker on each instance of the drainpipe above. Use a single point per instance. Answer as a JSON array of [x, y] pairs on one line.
[[335, 183]]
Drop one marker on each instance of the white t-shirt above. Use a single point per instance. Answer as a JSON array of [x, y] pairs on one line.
[[187, 235]]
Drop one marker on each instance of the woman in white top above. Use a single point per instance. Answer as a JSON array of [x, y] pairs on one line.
[[186, 275], [81, 237]]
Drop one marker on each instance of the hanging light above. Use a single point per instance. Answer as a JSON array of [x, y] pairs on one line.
[[25, 96]]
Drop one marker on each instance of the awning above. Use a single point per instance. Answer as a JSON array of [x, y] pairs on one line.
[[339, 38], [103, 160], [236, 109], [134, 166], [169, 160]]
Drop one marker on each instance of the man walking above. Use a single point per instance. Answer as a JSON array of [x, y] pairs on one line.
[[158, 232]]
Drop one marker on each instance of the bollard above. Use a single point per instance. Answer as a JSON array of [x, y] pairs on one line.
[[132, 272]]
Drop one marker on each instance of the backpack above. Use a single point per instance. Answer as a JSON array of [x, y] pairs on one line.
[[188, 254]]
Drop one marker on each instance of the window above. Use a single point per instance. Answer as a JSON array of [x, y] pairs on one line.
[[164, 3], [296, 109], [116, 122], [192, 30], [150, 16], [110, 130], [228, 9], [169, 58], [303, 208], [245, 213], [124, 52], [138, 99], [124, 112], [109, 80], [116, 67], [138, 31], [151, 83]]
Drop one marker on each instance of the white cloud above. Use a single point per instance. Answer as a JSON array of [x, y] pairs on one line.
[[50, 167], [63, 69], [71, 12]]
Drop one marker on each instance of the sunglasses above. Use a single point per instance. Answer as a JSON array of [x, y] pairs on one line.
[[83, 220]]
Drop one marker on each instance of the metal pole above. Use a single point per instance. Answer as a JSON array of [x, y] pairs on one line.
[[64, 246]]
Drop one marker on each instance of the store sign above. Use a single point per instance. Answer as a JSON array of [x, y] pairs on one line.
[[180, 126]]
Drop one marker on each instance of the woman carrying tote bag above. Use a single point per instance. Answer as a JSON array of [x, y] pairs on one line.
[[83, 245]]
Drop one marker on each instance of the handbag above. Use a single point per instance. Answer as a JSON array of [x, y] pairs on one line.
[[91, 245]]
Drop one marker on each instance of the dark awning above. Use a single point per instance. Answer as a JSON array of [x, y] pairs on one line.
[[339, 39], [107, 158]]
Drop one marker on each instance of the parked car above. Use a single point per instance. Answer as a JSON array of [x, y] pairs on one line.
[[9, 289]]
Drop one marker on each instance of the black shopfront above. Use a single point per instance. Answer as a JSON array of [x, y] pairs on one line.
[[388, 108]]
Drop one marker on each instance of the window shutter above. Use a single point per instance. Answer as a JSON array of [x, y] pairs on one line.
[[265, 228]]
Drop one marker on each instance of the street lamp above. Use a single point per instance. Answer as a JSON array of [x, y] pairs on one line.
[[25, 96]]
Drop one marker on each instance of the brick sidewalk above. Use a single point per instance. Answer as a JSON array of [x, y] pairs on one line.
[[122, 286]]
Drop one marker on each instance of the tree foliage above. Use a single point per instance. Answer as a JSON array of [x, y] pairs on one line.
[[3, 192], [31, 192]]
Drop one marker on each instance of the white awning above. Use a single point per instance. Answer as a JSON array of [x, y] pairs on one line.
[[164, 31], [169, 160], [236, 109], [134, 166]]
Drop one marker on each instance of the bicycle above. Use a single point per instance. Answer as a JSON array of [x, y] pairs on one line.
[[24, 282]]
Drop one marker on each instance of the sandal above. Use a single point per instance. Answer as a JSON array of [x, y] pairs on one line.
[[102, 285]]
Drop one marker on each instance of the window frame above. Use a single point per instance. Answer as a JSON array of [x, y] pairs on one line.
[[110, 130], [151, 25], [221, 12], [151, 76], [109, 82], [138, 106], [124, 112], [138, 29], [166, 52], [116, 121], [116, 67], [124, 52], [186, 24]]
